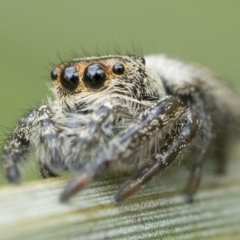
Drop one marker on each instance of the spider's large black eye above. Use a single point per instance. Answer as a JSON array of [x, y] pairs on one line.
[[142, 60], [69, 78], [54, 74], [118, 68], [94, 75]]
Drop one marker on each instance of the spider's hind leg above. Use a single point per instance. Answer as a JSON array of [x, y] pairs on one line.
[[193, 94], [204, 144]]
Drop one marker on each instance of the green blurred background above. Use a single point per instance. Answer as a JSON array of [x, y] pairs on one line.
[[35, 34]]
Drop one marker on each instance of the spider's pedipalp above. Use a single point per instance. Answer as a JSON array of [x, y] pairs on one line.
[[96, 131]]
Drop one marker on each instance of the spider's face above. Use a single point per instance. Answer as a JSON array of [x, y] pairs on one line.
[[99, 78], [93, 74]]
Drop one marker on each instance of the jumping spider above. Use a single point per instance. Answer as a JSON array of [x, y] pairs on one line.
[[124, 113]]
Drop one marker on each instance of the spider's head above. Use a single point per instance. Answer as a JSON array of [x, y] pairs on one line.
[[101, 78]]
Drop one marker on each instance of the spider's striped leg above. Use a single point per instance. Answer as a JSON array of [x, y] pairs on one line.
[[125, 144], [49, 146], [18, 147], [168, 154]]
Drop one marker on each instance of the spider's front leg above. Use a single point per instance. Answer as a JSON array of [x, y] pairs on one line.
[[17, 147], [174, 144], [35, 130], [125, 145]]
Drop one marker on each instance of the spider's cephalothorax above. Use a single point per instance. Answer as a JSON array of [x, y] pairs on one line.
[[124, 113]]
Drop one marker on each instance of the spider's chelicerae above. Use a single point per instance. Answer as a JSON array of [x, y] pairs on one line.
[[125, 113]]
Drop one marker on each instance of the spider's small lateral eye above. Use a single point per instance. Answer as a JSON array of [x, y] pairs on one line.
[[69, 78], [54, 74], [142, 60], [118, 68], [94, 76]]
